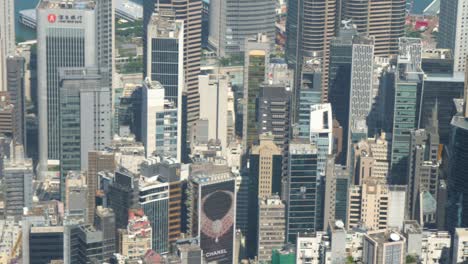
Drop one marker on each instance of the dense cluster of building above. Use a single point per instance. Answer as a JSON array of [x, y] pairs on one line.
[[350, 148]]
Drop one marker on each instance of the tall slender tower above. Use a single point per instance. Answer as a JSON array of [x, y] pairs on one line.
[[7, 38], [189, 11]]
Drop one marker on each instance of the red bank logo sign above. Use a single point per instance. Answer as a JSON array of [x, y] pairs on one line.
[[52, 18]]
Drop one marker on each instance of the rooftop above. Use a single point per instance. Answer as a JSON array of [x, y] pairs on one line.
[[68, 4]]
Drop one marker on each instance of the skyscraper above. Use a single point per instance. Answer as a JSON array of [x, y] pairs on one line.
[[7, 38], [123, 196], [423, 170], [408, 87], [303, 190], [154, 200], [69, 35], [217, 106], [457, 208], [212, 213], [271, 227], [321, 134], [97, 161], [382, 20], [16, 88], [85, 117], [190, 12], [233, 21], [453, 29], [361, 91], [161, 123], [310, 27], [273, 113], [18, 176], [257, 57]]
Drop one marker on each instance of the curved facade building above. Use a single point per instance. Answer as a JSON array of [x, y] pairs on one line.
[[310, 26], [382, 19], [233, 21]]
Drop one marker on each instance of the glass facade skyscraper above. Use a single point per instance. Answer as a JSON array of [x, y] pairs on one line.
[[304, 204]]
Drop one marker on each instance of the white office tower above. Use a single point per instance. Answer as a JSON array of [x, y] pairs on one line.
[[453, 28], [321, 134], [217, 107], [161, 125], [69, 34], [7, 38]]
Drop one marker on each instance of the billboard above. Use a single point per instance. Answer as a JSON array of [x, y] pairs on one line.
[[217, 218]]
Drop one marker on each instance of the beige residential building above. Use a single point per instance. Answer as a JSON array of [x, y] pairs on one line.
[[97, 161], [135, 241], [383, 20], [271, 227], [266, 154], [371, 159], [384, 246], [376, 205]]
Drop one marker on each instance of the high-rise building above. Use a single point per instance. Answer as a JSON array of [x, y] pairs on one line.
[[17, 176], [321, 134], [85, 117], [459, 250], [310, 93], [265, 167], [69, 35], [383, 20], [337, 183], [273, 113], [76, 193], [97, 161], [257, 57], [135, 240], [105, 222], [123, 196], [376, 205], [233, 21], [217, 106], [371, 159], [169, 171], [212, 213], [384, 247], [42, 244], [309, 247], [190, 12], [361, 91], [154, 200], [453, 31], [91, 243], [406, 116], [165, 60], [423, 174], [7, 38], [161, 123], [271, 227], [457, 207], [16, 88], [310, 26], [303, 194]]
